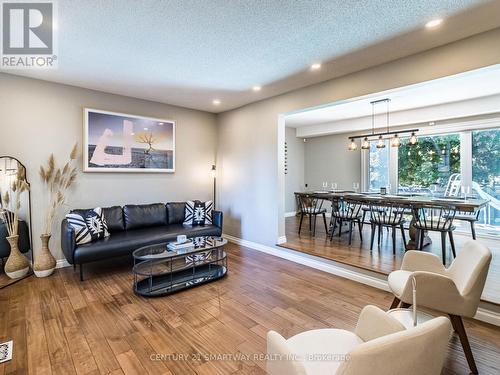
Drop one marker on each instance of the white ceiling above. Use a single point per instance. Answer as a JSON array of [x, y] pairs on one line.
[[188, 52], [471, 85]]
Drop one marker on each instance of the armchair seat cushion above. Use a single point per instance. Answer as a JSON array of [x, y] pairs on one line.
[[397, 281], [322, 351]]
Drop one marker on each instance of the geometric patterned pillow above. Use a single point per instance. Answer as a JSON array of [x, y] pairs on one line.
[[198, 213], [89, 225]]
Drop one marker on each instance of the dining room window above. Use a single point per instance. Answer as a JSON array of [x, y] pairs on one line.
[[486, 176], [378, 171], [453, 164], [430, 165]]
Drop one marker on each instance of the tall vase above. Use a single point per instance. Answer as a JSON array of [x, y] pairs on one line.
[[17, 265], [45, 264]]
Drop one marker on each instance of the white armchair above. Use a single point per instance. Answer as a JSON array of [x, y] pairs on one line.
[[455, 291], [379, 345]]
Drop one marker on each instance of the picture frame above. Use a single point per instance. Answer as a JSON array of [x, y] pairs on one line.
[[121, 142]]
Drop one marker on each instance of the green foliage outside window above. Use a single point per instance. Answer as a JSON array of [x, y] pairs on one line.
[[431, 161], [486, 157]]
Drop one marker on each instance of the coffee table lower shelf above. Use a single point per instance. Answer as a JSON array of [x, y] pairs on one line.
[[161, 285]]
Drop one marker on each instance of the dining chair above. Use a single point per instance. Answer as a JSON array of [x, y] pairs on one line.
[[346, 210], [435, 218], [453, 190], [455, 290], [469, 217], [311, 207], [389, 215], [379, 345]]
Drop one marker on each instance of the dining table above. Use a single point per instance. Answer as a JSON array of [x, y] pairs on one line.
[[409, 200]]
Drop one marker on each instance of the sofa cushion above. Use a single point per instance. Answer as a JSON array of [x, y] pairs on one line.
[[124, 243], [144, 215], [175, 212], [114, 218], [89, 225], [198, 213]]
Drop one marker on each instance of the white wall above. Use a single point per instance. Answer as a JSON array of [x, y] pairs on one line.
[[294, 179], [328, 160], [38, 118], [251, 189]]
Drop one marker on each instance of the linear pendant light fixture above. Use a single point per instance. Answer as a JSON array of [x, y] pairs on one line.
[[395, 141]]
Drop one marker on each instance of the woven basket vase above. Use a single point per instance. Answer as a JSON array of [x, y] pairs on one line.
[[45, 263], [17, 265]]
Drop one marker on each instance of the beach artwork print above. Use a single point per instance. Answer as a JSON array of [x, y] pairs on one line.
[[117, 142]]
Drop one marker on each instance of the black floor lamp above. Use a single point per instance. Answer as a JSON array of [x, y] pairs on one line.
[[214, 176]]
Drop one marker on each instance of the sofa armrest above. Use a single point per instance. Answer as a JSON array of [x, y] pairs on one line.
[[68, 242], [217, 218]]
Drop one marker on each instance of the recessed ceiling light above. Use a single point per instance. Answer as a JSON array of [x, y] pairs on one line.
[[315, 66], [434, 23], [132, 133], [216, 102], [160, 123], [256, 88], [145, 128]]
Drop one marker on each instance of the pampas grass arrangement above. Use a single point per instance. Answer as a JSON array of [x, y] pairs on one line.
[[57, 181]]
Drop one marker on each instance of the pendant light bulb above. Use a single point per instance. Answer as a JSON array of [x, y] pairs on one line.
[[352, 146], [413, 139], [395, 141], [380, 143], [365, 145]]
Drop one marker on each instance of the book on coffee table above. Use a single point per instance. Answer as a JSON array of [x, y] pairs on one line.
[[177, 246]]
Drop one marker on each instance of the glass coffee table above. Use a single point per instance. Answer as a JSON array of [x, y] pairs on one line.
[[159, 271]]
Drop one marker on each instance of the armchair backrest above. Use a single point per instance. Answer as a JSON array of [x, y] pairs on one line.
[[283, 362], [418, 350], [469, 270]]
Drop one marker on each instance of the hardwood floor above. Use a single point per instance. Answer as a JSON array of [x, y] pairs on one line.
[[382, 261], [63, 326]]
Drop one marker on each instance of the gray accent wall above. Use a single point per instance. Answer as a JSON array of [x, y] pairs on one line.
[[328, 160], [38, 118], [294, 178]]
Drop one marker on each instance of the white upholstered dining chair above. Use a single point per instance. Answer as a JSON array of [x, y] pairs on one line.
[[455, 291], [379, 345]]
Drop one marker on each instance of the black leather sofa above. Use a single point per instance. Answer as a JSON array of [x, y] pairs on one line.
[[131, 227]]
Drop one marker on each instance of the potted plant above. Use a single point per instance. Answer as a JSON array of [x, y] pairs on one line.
[[56, 181], [17, 265]]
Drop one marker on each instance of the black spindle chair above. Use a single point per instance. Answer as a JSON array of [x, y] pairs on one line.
[[389, 215], [311, 207], [346, 210], [435, 219]]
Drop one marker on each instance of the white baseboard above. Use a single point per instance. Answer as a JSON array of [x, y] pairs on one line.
[[488, 316], [61, 263], [281, 240], [321, 264]]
